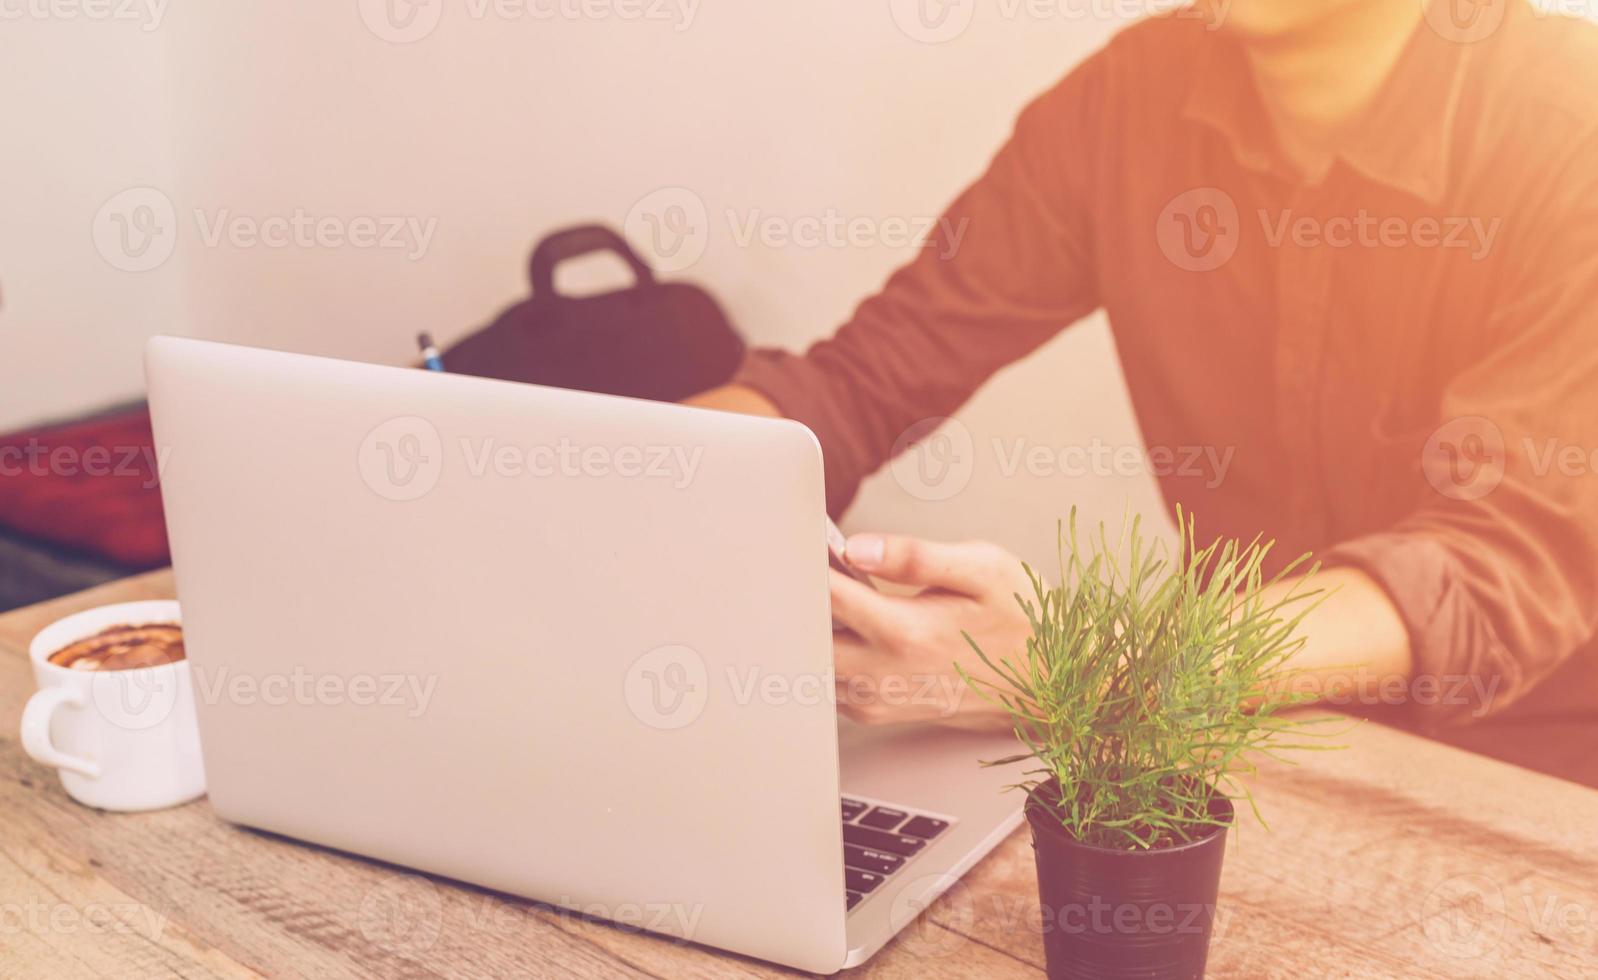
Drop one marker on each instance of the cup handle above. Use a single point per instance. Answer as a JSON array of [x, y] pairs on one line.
[[36, 731]]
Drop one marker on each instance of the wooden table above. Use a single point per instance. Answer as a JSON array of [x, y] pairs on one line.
[[1396, 858]]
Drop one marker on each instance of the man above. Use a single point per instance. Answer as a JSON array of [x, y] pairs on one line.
[[1354, 241]]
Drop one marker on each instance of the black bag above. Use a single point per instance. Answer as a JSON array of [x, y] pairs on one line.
[[657, 340]]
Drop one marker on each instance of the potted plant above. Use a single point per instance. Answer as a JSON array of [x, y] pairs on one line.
[[1147, 685]]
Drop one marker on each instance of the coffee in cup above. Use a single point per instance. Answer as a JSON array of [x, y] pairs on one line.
[[123, 647]]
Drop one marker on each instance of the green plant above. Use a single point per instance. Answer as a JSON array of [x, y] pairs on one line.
[[1150, 683]]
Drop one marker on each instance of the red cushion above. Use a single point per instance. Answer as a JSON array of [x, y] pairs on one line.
[[89, 485]]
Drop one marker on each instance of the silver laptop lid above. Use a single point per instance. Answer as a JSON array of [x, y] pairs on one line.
[[562, 645]]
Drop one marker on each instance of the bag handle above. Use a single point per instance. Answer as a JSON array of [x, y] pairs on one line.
[[569, 243]]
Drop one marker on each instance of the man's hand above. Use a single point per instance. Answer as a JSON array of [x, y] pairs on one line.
[[896, 660]]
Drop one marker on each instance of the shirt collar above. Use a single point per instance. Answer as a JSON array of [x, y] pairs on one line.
[[1403, 141]]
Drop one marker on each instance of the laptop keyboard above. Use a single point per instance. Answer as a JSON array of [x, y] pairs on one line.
[[878, 841]]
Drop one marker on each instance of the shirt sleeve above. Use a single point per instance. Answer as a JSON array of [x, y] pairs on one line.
[[1008, 266], [1496, 574]]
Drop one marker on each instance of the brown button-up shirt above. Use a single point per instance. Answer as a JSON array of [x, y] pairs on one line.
[[1401, 358]]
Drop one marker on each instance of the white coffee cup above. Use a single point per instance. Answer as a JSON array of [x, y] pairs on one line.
[[122, 739]]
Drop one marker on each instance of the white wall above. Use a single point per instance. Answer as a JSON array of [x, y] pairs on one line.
[[86, 117], [492, 127]]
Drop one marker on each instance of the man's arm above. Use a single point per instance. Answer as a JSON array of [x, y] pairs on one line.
[[1355, 649], [1356, 646], [1008, 265]]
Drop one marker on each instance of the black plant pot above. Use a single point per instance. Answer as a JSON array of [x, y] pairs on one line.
[[1117, 915]]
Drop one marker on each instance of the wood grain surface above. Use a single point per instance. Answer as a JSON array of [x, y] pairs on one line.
[[1397, 857]]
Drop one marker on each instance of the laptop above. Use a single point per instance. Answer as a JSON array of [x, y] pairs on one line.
[[566, 646]]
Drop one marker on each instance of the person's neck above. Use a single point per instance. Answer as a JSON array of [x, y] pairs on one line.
[[1315, 85]]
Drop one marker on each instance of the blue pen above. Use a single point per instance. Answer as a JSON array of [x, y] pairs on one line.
[[430, 354]]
